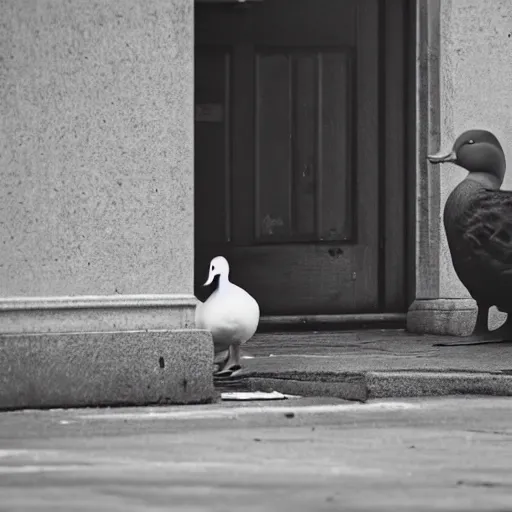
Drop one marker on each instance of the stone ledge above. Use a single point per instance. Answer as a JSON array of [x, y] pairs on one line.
[[420, 384], [96, 313], [348, 386], [362, 386], [106, 369]]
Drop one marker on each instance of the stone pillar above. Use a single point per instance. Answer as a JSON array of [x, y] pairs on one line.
[[463, 79], [96, 204]]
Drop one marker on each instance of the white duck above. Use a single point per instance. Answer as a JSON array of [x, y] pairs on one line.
[[230, 314]]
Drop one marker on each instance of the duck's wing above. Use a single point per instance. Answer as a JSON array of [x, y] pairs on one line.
[[487, 228]]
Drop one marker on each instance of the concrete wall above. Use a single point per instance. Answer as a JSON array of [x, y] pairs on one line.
[[476, 90], [96, 205], [96, 147], [464, 76], [96, 153]]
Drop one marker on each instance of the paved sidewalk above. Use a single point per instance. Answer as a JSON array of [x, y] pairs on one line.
[[359, 365], [300, 455]]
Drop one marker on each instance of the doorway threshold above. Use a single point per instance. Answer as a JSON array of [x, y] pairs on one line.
[[272, 323]]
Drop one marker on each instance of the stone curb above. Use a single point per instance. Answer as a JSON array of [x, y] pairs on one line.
[[106, 369], [431, 383], [361, 386]]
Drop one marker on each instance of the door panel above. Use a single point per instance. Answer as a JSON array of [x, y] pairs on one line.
[[302, 147], [273, 148], [287, 152]]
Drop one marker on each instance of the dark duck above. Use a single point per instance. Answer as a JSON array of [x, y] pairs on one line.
[[478, 224]]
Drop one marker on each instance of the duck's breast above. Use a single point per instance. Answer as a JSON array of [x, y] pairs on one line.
[[231, 315], [457, 212], [478, 226]]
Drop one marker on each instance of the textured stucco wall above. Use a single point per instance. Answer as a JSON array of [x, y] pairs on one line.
[[476, 92], [96, 147]]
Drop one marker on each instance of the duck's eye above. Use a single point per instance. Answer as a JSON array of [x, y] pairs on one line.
[[471, 141], [213, 268]]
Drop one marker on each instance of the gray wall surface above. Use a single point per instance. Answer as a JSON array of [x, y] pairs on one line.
[[96, 147]]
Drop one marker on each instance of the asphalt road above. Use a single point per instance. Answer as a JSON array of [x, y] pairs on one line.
[[296, 455]]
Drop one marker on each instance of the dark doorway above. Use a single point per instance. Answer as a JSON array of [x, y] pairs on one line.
[[291, 172]]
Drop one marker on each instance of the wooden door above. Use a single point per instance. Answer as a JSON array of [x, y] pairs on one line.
[[286, 159]]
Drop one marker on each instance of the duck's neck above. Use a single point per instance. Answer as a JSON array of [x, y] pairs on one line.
[[223, 282], [485, 179]]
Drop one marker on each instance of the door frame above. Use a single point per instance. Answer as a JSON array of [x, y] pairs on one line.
[[397, 187], [396, 136]]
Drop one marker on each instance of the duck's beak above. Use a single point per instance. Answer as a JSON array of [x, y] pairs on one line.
[[440, 157], [211, 277]]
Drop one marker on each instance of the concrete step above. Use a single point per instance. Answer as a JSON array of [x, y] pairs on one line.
[[359, 365]]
